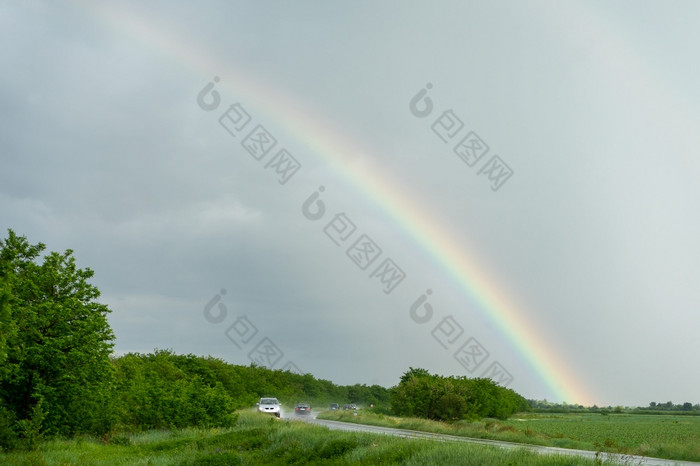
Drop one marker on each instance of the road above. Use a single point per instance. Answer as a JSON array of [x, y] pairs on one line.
[[618, 458]]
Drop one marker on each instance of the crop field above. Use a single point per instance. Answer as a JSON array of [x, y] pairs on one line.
[[663, 436]]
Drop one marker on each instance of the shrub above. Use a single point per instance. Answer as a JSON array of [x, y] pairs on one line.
[[8, 437], [450, 407]]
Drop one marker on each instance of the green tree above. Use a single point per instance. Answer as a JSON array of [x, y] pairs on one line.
[[413, 372], [417, 394], [450, 407], [7, 327], [164, 390], [56, 355], [421, 394]]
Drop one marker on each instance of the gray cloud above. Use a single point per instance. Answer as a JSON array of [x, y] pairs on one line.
[[593, 240]]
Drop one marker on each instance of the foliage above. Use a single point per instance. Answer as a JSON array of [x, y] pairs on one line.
[[57, 378], [685, 408], [8, 327], [153, 392], [8, 436], [56, 342], [669, 436], [421, 394], [163, 390], [30, 429], [261, 440]]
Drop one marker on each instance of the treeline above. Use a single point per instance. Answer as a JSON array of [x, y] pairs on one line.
[[58, 375], [669, 406], [164, 390], [653, 408], [431, 396]]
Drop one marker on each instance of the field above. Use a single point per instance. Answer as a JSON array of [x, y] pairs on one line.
[[662, 436], [259, 439]]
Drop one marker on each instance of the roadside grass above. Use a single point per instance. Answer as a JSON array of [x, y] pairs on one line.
[[662, 436], [257, 439]]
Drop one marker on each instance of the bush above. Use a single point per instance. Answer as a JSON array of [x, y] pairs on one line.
[[337, 447], [450, 407], [29, 430], [421, 394], [8, 437]]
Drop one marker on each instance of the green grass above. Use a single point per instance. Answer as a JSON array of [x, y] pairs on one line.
[[663, 436], [260, 439]]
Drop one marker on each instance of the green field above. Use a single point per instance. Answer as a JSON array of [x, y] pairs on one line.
[[259, 439], [663, 436]]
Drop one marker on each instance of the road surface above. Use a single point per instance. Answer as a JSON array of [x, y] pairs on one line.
[[615, 457]]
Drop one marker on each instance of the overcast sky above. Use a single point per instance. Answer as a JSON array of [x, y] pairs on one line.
[[532, 164]]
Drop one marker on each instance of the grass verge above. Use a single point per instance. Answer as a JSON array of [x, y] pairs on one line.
[[671, 437], [257, 439]]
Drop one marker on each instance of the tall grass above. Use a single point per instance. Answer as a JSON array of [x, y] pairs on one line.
[[658, 436], [259, 439]]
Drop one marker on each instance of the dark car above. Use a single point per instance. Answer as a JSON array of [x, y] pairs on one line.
[[334, 406], [302, 408]]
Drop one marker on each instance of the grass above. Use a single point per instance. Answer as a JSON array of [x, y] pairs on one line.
[[662, 436], [257, 439]]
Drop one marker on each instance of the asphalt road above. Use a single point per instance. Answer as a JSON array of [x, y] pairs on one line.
[[618, 458]]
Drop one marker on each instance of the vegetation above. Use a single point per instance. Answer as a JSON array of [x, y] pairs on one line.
[[687, 408], [56, 375], [164, 390], [669, 436], [257, 439], [420, 394], [58, 381]]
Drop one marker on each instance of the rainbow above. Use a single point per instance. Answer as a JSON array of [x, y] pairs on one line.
[[449, 253]]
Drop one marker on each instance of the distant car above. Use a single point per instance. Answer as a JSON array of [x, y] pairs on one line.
[[269, 406], [302, 408], [335, 406], [351, 406]]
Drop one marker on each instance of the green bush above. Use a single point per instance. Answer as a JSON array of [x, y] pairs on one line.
[[30, 430], [422, 394], [8, 436], [336, 447], [450, 407]]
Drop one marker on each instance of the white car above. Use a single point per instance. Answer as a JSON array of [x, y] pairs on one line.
[[269, 406]]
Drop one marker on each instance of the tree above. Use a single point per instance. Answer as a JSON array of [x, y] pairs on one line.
[[413, 372], [163, 390], [57, 366], [422, 394], [450, 407], [7, 328], [415, 394]]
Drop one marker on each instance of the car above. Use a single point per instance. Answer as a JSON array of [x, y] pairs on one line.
[[269, 406], [351, 406], [302, 408], [334, 407]]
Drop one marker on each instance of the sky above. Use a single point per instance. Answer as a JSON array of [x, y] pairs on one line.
[[349, 189]]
